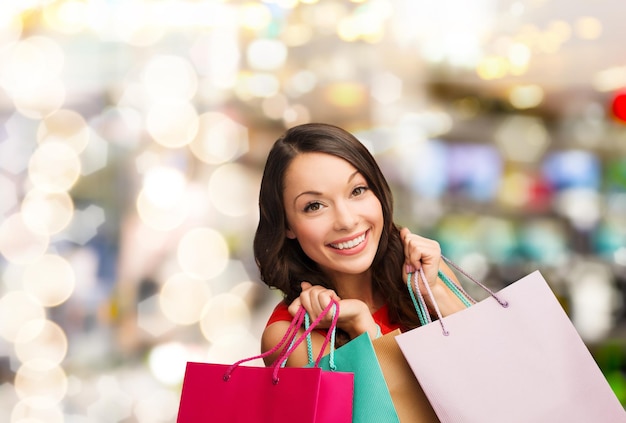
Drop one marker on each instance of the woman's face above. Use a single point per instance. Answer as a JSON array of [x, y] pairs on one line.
[[333, 214]]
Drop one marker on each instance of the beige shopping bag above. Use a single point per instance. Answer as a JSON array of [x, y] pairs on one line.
[[407, 395]]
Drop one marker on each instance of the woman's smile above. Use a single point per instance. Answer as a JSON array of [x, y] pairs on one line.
[[350, 246]]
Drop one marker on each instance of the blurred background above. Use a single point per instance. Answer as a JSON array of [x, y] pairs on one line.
[[133, 134]]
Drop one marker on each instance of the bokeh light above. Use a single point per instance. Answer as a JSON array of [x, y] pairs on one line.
[[522, 138], [203, 253], [588, 28], [69, 16], [257, 84], [161, 204], [492, 68], [172, 124], [164, 186], [592, 295], [38, 101], [167, 362], [30, 73], [225, 316], [47, 213], [266, 54], [219, 139], [18, 243], [18, 309], [40, 379], [345, 94], [41, 341], [8, 199], [37, 410], [232, 192], [255, 16], [183, 298], [169, 78], [30, 63], [10, 25], [618, 105], [54, 167], [526, 97], [610, 79], [159, 218], [65, 126], [50, 279]]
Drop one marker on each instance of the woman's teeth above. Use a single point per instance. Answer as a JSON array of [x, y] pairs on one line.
[[349, 244]]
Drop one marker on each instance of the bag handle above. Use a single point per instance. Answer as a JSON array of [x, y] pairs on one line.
[[309, 345], [329, 339], [420, 304], [290, 333], [495, 296], [289, 339]]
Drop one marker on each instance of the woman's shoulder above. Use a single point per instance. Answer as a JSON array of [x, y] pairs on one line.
[[279, 314]]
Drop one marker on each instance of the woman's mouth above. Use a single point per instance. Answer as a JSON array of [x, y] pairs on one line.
[[351, 243]]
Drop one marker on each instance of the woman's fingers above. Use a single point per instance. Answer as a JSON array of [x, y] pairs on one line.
[[314, 299], [421, 253], [354, 318]]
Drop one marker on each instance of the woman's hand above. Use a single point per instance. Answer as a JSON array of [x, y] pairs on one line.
[[354, 318], [315, 299], [424, 253], [354, 315], [420, 252]]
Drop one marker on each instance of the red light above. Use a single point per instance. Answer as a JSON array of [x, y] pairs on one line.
[[618, 106]]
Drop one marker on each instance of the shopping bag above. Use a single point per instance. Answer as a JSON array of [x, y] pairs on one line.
[[512, 357], [407, 395], [238, 393], [372, 400]]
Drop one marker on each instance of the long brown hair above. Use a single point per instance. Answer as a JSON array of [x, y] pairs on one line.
[[281, 261]]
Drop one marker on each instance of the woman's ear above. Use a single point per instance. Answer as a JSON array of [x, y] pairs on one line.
[[290, 234]]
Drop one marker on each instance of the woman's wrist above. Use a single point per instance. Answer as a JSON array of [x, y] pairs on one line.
[[362, 325], [374, 331], [447, 301]]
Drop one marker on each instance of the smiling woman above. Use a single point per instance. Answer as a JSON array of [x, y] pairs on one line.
[[330, 210], [326, 232]]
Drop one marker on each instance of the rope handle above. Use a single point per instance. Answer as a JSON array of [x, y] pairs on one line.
[[330, 336], [309, 345], [288, 337], [495, 296], [418, 298]]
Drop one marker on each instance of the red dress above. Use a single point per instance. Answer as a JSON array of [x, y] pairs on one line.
[[381, 317]]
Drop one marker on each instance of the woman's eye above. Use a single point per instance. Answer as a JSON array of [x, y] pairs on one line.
[[312, 207], [359, 191]]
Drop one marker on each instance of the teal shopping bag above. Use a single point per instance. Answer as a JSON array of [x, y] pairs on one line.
[[372, 401]]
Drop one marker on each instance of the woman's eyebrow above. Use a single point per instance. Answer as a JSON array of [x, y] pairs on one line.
[[306, 193], [351, 177]]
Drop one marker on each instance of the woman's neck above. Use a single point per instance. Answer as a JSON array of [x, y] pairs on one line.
[[359, 287]]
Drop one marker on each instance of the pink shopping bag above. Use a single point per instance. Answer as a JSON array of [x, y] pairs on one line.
[[513, 357], [237, 393]]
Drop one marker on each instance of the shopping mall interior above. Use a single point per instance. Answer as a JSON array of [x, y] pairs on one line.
[[133, 136]]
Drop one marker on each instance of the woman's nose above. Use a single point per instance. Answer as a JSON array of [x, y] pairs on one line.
[[345, 217]]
